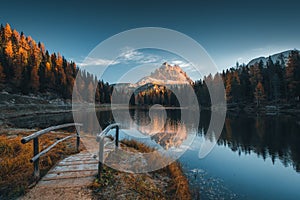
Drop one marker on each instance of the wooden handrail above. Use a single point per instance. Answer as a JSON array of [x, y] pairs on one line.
[[106, 130], [49, 148], [35, 138], [100, 138], [47, 130]]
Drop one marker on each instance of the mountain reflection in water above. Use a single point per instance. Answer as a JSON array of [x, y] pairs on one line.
[[275, 137], [252, 152]]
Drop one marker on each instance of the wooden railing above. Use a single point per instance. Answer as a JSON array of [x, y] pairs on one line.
[[100, 138], [35, 138]]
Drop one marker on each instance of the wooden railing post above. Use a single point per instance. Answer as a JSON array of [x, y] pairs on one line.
[[36, 172], [117, 136], [37, 154], [77, 138], [101, 153], [100, 138]]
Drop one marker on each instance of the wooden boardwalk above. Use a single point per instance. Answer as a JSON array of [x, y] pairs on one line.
[[75, 173], [68, 179], [77, 170]]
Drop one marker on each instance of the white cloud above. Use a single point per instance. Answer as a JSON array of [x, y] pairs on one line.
[[151, 59], [97, 62], [126, 56], [137, 57], [181, 63], [129, 54], [186, 66], [132, 55]]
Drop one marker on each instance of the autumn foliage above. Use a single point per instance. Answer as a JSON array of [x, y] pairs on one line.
[[27, 67]]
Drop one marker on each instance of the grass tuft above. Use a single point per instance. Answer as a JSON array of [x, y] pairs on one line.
[[167, 183]]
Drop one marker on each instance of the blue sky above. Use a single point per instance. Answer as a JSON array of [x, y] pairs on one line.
[[132, 65], [229, 31]]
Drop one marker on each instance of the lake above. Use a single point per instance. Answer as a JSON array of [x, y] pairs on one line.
[[256, 157]]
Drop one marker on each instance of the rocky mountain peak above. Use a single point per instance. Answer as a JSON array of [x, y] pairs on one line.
[[167, 74]]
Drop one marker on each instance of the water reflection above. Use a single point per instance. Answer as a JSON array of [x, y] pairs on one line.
[[275, 137], [167, 132], [270, 137]]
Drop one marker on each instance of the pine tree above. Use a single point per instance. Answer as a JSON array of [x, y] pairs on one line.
[[236, 83], [245, 84], [90, 89], [228, 85], [259, 93], [292, 75], [29, 68], [9, 52], [2, 77], [275, 87], [34, 80], [7, 33]]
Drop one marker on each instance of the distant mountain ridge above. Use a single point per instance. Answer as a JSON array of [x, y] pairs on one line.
[[282, 56]]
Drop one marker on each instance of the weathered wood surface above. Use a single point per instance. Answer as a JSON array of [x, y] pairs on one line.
[[76, 170], [107, 130], [48, 148], [35, 138], [69, 179], [47, 130]]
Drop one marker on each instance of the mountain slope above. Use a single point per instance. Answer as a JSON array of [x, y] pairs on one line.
[[282, 56], [166, 74]]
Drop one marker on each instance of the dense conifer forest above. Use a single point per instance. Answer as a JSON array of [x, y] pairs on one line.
[[26, 67]]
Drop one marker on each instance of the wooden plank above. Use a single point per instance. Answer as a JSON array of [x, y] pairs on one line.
[[78, 160], [72, 182], [91, 157], [76, 167], [77, 163], [69, 175], [73, 174], [57, 172]]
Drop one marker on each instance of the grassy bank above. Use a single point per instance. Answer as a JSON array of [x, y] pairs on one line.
[[16, 170], [166, 183], [179, 187]]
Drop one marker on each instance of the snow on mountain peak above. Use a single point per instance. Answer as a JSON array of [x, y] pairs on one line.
[[281, 57]]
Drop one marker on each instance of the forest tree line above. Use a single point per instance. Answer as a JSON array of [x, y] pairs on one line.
[[27, 67], [261, 83], [271, 82]]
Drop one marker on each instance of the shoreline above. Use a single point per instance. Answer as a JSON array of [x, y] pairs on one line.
[[163, 183], [22, 110], [16, 105]]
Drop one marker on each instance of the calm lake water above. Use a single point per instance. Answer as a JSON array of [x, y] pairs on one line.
[[256, 157]]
